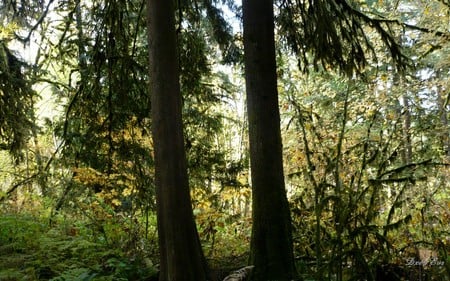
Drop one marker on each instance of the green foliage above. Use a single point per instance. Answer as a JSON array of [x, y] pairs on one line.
[[338, 35], [32, 250], [223, 220], [366, 159], [15, 236], [352, 184], [16, 102]]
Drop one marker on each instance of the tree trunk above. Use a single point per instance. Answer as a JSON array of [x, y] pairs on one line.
[[444, 135], [271, 242], [407, 150], [181, 256]]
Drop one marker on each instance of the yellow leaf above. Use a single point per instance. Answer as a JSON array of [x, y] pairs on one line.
[[127, 192], [116, 202]]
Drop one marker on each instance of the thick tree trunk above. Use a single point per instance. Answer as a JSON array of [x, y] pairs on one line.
[[271, 242], [180, 250]]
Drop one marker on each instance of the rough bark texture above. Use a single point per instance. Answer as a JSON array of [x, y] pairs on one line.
[[271, 242], [180, 250]]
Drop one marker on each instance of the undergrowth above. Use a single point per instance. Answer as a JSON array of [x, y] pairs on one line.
[[32, 249]]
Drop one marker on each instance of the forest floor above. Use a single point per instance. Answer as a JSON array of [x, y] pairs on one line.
[[32, 250]]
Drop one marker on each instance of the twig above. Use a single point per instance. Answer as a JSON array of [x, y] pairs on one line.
[[39, 22]]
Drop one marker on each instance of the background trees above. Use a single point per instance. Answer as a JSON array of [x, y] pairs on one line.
[[365, 156]]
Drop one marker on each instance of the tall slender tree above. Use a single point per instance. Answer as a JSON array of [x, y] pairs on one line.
[[181, 256], [271, 242]]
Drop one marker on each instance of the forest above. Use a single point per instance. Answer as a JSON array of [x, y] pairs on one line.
[[196, 140]]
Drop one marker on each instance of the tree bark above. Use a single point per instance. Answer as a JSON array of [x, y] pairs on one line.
[[271, 242], [407, 149], [181, 256], [444, 135]]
